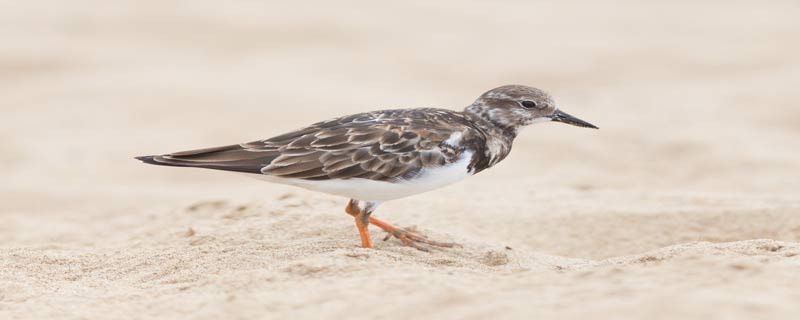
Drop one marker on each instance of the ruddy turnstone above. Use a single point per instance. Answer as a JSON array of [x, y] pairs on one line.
[[385, 155]]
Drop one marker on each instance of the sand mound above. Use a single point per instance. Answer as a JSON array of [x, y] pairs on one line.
[[214, 258]]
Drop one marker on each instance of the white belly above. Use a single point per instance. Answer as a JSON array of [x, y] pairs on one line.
[[371, 190]]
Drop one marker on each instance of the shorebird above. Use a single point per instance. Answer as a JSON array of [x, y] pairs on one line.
[[378, 156]]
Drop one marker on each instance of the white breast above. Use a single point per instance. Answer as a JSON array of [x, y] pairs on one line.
[[371, 190]]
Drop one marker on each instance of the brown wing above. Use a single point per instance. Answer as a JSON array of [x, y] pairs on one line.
[[381, 145]]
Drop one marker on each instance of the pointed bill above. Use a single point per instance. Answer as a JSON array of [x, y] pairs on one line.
[[561, 116]]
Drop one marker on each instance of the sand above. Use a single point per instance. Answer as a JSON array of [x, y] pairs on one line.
[[684, 205]]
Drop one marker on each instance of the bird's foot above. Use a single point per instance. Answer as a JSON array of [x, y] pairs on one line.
[[410, 237]]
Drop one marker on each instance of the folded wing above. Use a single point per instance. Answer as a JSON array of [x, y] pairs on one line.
[[385, 145]]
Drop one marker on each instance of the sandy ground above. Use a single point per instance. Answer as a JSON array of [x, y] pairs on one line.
[[684, 205]]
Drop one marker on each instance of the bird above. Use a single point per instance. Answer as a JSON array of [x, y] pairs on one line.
[[385, 155]]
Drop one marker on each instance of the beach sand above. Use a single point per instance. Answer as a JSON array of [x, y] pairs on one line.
[[684, 205]]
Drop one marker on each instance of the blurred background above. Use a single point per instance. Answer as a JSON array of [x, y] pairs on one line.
[[697, 101], [688, 94]]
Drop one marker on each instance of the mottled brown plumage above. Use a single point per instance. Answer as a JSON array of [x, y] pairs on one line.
[[381, 145], [385, 145]]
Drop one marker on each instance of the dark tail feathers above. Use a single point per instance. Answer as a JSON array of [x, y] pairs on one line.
[[228, 158]]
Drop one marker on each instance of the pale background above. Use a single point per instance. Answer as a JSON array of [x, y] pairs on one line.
[[654, 216]]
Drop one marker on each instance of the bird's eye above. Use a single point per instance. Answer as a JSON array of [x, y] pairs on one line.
[[529, 104]]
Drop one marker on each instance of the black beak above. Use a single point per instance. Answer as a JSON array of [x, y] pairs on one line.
[[561, 116]]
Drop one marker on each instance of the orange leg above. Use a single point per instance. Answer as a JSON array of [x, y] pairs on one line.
[[406, 235], [361, 223]]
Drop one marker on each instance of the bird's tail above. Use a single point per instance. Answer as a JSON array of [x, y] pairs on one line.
[[228, 158]]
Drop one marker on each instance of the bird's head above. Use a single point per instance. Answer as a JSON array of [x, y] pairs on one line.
[[512, 107]]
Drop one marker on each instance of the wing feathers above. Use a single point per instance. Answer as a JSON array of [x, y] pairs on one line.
[[379, 146]]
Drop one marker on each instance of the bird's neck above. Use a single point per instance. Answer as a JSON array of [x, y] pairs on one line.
[[495, 127], [498, 137]]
